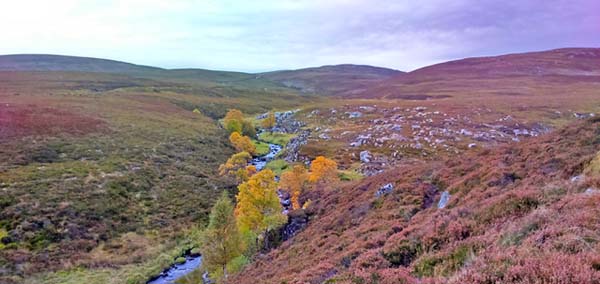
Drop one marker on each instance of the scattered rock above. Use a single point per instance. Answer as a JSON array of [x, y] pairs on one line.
[[444, 198], [384, 190], [365, 156]]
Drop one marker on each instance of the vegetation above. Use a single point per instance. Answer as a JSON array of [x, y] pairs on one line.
[[323, 170], [242, 143], [276, 137], [222, 242], [269, 121], [294, 181], [258, 209]]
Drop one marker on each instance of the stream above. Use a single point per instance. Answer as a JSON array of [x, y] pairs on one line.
[[193, 262]]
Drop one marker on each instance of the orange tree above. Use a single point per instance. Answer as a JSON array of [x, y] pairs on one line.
[[294, 182], [242, 143], [323, 170]]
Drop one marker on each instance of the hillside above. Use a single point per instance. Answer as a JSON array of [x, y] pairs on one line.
[[523, 74], [338, 80], [47, 62], [524, 213], [104, 170], [109, 169]]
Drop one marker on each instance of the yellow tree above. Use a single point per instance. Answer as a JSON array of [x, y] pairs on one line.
[[323, 170], [294, 182], [233, 121], [269, 121], [236, 166], [242, 143], [258, 208]]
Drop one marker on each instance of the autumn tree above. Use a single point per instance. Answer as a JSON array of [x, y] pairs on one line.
[[222, 241], [242, 143], [269, 121], [233, 121], [236, 166], [294, 181], [248, 128], [258, 208], [323, 170]]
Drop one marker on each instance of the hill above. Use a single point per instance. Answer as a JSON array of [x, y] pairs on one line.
[[337, 80], [524, 213], [47, 62], [520, 74]]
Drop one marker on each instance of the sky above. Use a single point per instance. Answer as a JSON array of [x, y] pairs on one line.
[[256, 36]]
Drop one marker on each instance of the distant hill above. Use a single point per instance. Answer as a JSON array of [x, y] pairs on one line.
[[339, 80], [326, 80], [505, 74], [46, 62]]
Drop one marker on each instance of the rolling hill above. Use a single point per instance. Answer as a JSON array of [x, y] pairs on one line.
[[509, 75], [337, 80], [47, 62], [108, 171]]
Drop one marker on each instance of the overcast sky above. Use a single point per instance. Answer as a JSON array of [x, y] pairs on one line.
[[254, 35]]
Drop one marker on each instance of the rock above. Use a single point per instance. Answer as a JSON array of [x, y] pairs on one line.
[[324, 136], [577, 178], [444, 199], [297, 220], [367, 108], [365, 156], [384, 190], [354, 114], [592, 191], [472, 145]]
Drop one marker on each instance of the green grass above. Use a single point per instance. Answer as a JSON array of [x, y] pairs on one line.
[[277, 166], [262, 148], [276, 137], [349, 175]]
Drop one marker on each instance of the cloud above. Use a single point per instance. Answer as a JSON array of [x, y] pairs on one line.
[[267, 35]]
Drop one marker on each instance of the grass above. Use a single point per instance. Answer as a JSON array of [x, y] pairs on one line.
[[276, 137], [262, 148], [349, 175], [277, 166]]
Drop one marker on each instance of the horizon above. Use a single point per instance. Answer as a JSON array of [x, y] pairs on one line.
[[305, 67], [287, 35]]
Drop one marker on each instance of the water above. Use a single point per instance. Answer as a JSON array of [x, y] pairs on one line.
[[192, 263], [261, 162], [177, 271]]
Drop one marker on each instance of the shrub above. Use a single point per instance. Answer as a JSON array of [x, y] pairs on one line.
[[403, 253]]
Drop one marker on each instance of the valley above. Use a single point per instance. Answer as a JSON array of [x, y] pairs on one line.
[[109, 170]]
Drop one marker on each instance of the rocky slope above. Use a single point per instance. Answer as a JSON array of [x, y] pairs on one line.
[[524, 213]]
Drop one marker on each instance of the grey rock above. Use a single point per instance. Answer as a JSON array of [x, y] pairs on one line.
[[444, 199]]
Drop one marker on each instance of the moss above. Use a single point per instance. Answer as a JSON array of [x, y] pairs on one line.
[[442, 265], [349, 175], [3, 234], [262, 148], [277, 166], [276, 138]]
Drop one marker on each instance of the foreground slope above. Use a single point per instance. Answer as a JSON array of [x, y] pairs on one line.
[[524, 213], [338, 80], [551, 72]]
